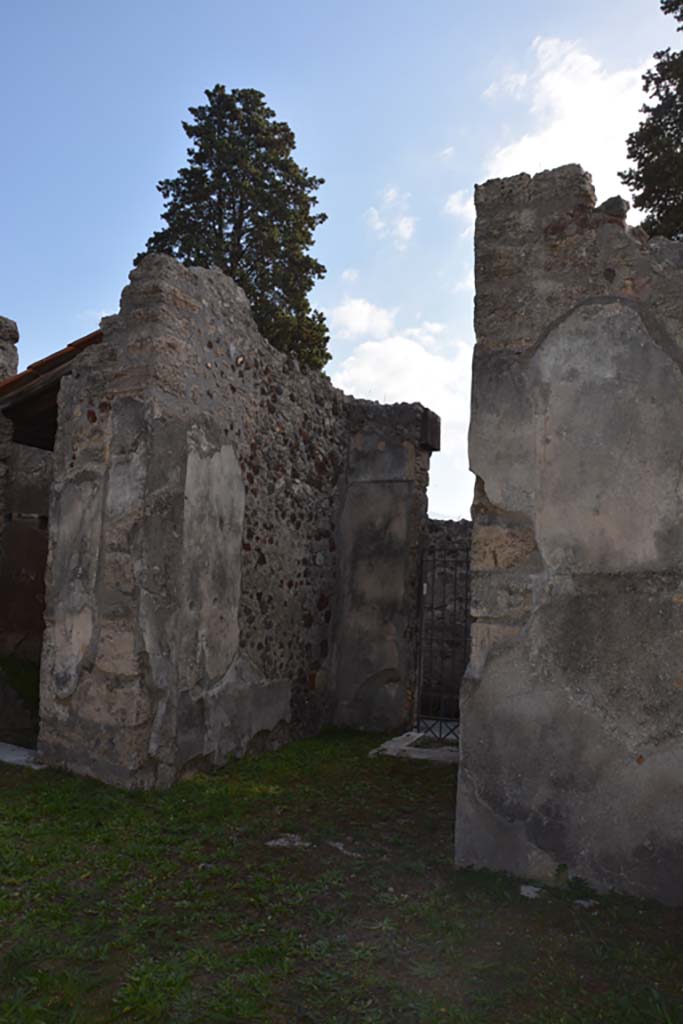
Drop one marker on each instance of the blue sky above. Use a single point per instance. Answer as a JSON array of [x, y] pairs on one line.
[[400, 107]]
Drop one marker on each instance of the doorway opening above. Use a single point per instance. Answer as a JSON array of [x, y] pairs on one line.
[[29, 414], [444, 627], [23, 561]]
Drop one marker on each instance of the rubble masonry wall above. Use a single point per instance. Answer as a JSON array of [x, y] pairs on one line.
[[23, 551], [194, 577]]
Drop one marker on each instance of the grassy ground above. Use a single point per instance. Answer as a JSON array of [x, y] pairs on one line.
[[171, 908]]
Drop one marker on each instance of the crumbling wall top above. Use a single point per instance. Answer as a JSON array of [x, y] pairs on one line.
[[543, 247], [9, 336], [569, 187]]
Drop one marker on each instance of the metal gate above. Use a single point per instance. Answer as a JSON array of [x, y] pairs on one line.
[[444, 628]]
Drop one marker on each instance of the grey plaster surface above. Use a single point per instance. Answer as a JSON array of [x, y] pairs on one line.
[[572, 706]]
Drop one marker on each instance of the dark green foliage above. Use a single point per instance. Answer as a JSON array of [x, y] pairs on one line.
[[674, 7], [656, 147], [243, 204]]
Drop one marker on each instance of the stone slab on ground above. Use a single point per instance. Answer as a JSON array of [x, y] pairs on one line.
[[22, 757], [404, 746]]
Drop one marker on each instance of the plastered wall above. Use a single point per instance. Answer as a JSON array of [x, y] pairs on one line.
[[572, 708]]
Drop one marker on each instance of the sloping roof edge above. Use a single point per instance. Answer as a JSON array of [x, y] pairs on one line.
[[45, 370]]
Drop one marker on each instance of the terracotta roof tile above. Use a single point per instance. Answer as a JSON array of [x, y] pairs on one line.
[[33, 372]]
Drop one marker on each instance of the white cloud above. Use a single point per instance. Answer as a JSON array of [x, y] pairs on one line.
[[375, 222], [356, 318], [403, 368], [404, 230], [580, 113], [392, 219], [447, 153], [461, 205], [466, 282], [349, 275], [513, 84], [429, 334]]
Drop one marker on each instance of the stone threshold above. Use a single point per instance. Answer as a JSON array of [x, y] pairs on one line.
[[404, 746], [21, 757]]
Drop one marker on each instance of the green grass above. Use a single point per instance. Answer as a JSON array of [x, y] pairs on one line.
[[169, 908]]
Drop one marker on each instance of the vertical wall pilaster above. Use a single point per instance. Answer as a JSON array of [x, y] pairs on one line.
[[145, 532], [382, 521]]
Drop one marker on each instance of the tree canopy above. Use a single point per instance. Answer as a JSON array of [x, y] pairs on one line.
[[243, 204], [656, 147], [674, 7]]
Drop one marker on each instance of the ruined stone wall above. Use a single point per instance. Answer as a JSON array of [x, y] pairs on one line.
[[572, 710], [5, 455], [23, 557], [193, 554], [23, 551], [9, 336]]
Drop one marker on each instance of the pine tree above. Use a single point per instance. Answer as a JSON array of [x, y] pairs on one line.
[[243, 204], [656, 147], [674, 7]]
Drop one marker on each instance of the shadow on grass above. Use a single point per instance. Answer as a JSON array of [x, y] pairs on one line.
[[172, 907]]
